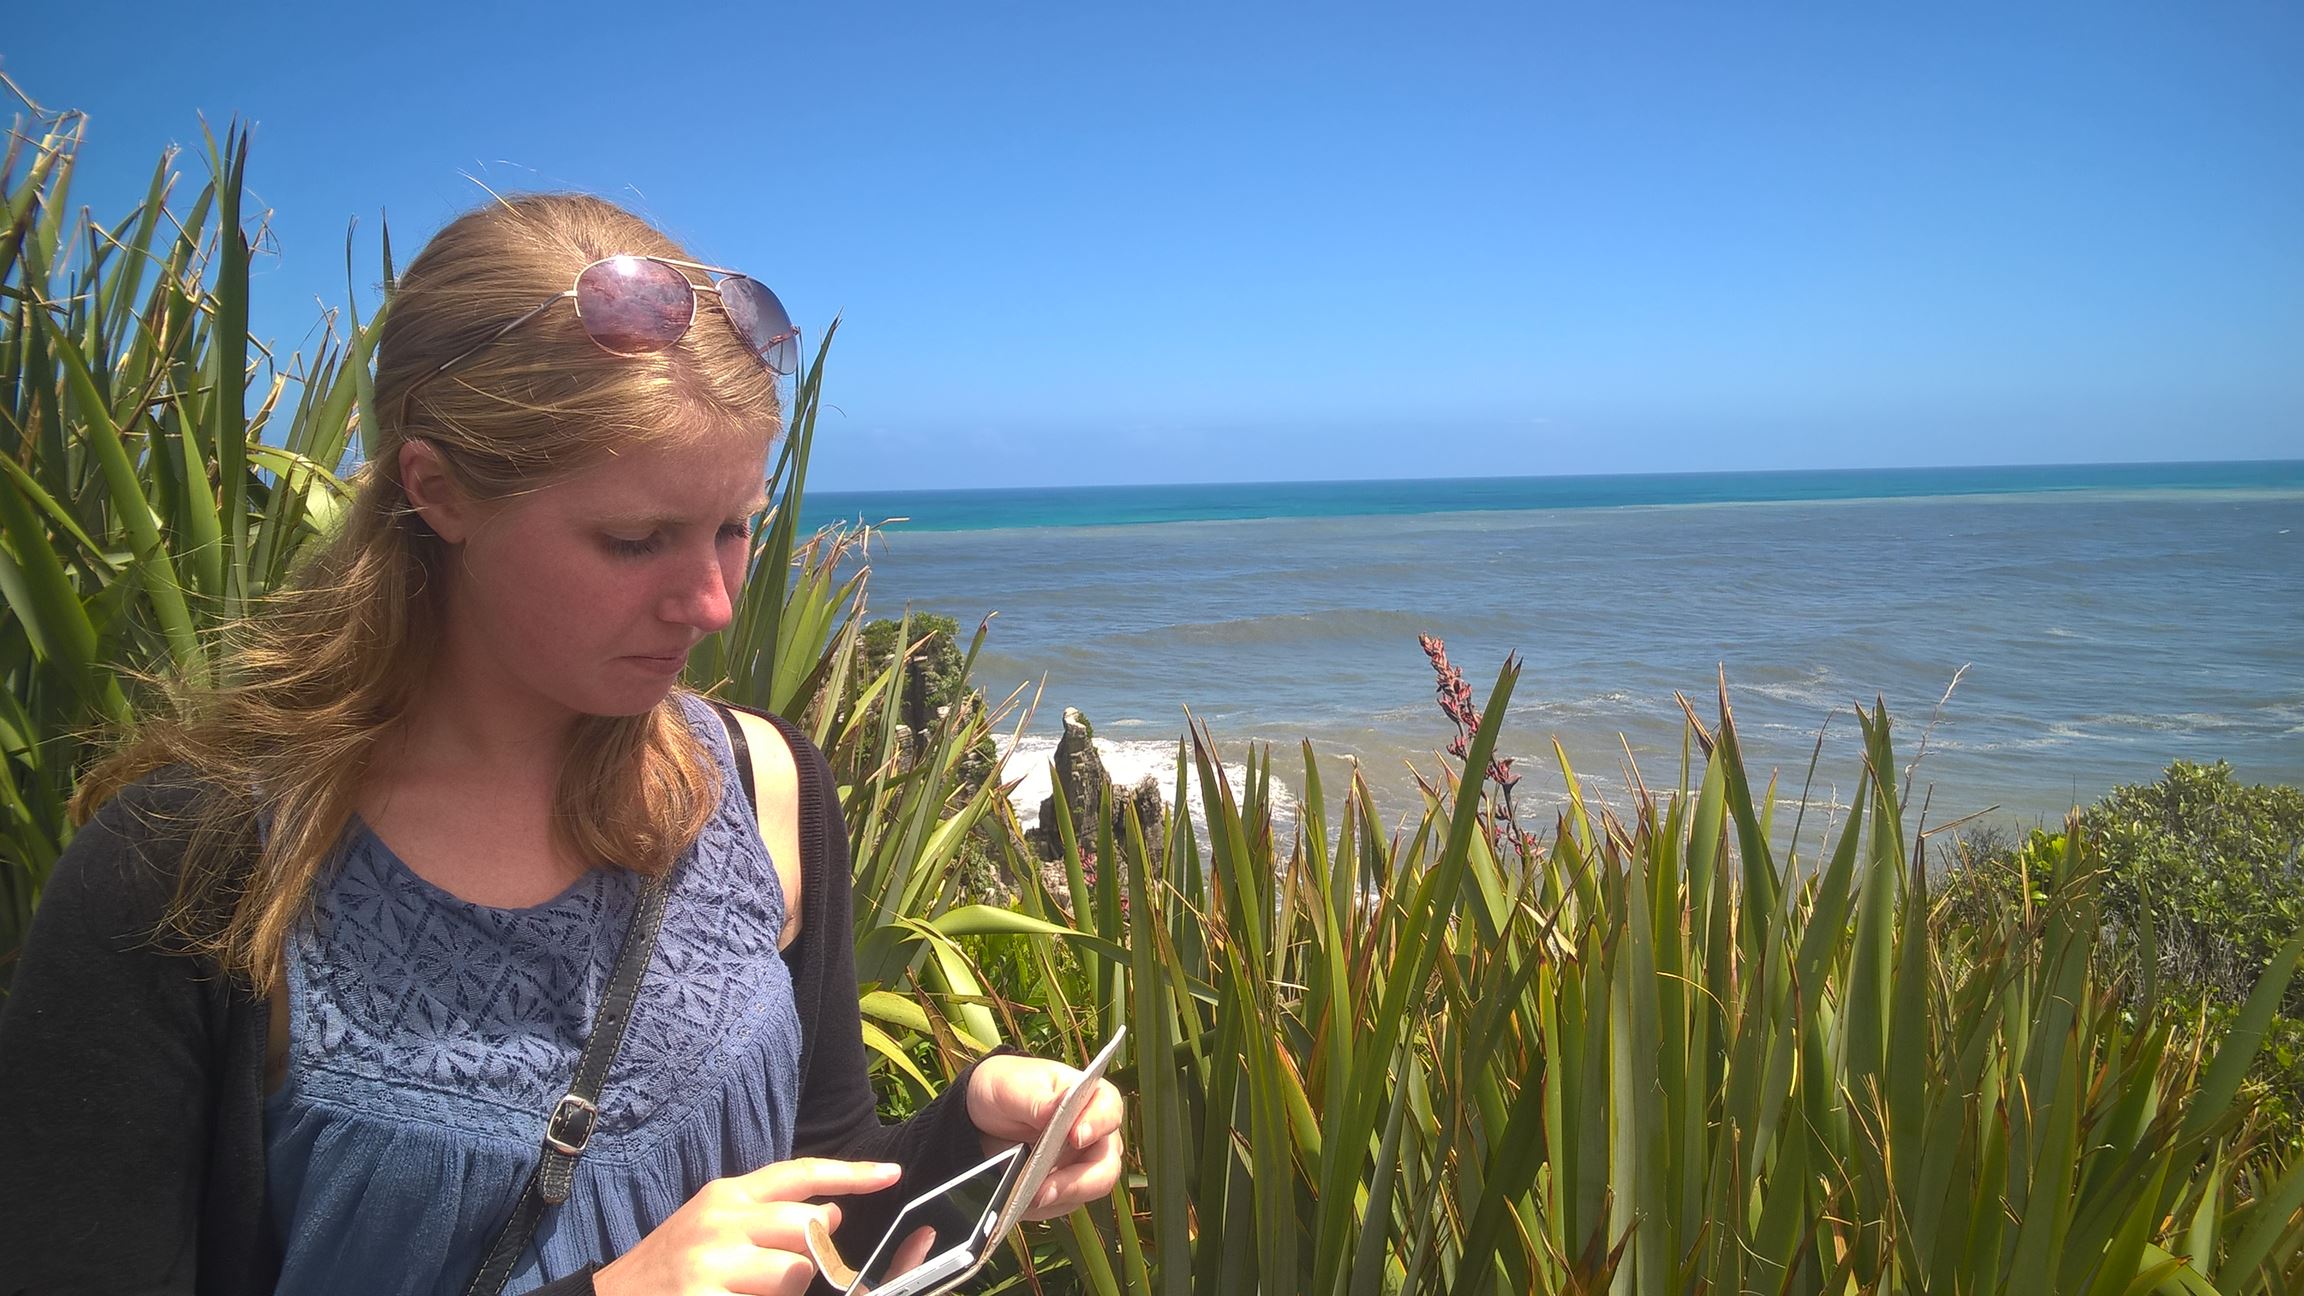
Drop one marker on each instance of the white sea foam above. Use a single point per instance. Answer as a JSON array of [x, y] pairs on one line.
[[2181, 722], [1814, 688], [2059, 735], [1128, 761]]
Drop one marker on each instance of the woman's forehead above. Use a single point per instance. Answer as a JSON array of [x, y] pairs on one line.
[[687, 481]]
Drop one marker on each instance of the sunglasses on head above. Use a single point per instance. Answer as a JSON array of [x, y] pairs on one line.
[[637, 305]]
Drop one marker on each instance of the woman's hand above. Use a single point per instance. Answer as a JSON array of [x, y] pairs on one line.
[[745, 1234], [1011, 1100]]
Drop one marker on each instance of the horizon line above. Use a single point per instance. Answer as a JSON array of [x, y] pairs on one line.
[[820, 492]]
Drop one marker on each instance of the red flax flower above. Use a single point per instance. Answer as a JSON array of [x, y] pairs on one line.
[[1456, 703]]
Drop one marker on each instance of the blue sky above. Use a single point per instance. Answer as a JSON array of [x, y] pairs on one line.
[[1093, 242]]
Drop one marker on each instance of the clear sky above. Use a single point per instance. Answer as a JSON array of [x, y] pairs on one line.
[[1281, 239]]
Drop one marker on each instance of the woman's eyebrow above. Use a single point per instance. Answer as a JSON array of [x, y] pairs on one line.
[[750, 508]]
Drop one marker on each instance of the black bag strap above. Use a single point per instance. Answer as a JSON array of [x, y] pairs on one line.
[[741, 747], [577, 1113]]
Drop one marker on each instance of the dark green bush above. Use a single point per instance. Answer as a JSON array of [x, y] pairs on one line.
[[2204, 867], [2214, 866], [936, 675]]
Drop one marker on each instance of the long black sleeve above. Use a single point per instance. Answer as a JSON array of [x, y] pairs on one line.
[[124, 1167], [838, 1114]]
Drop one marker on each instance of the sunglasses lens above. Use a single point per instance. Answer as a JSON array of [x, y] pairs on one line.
[[761, 321], [632, 306]]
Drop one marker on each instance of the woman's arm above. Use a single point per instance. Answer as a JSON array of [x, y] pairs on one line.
[[838, 1114], [108, 1072]]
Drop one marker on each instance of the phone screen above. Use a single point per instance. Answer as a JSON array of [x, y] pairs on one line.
[[960, 1211], [973, 1211]]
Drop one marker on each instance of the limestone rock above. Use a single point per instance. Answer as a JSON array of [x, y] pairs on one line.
[[1151, 814], [1086, 787], [1083, 782]]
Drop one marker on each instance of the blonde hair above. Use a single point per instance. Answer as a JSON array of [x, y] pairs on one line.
[[336, 658]]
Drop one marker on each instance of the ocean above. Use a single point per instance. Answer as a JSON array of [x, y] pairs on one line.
[[2039, 634]]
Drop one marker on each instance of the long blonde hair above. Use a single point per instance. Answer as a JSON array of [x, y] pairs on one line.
[[336, 658]]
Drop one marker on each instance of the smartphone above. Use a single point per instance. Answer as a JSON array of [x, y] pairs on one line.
[[971, 1213], [961, 1213]]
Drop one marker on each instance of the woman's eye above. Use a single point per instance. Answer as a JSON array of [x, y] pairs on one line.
[[736, 531], [631, 548]]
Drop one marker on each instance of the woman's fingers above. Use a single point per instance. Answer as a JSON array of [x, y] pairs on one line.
[[1015, 1097], [771, 1273], [805, 1177], [703, 1262], [1100, 1118], [1012, 1097], [746, 1233], [914, 1250], [783, 1225], [1082, 1177]]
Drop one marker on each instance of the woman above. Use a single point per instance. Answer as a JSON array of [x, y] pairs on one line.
[[305, 989]]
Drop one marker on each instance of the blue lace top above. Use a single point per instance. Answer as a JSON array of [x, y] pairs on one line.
[[430, 1037]]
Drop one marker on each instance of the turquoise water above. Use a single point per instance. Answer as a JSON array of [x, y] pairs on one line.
[[985, 510], [2090, 624]]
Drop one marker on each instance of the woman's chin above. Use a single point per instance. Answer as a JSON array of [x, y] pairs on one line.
[[629, 692]]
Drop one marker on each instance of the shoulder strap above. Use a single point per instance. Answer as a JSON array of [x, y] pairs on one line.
[[577, 1113], [741, 748], [771, 753]]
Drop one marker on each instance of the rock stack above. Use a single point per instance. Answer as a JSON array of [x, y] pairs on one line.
[[1087, 789]]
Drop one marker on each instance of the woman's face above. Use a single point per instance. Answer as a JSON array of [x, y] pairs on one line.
[[588, 593]]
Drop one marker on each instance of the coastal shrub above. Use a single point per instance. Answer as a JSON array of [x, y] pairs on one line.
[[934, 677], [2213, 866], [2203, 882], [937, 671], [2201, 870]]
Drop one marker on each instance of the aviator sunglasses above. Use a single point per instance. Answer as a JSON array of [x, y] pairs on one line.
[[635, 305]]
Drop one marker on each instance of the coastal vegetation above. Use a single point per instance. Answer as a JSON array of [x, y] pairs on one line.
[[1634, 1048], [2202, 877]]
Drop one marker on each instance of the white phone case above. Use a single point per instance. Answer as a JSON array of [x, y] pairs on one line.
[[1046, 1151], [922, 1280]]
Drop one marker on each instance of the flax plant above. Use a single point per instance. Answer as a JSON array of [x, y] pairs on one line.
[[158, 473], [1646, 1055]]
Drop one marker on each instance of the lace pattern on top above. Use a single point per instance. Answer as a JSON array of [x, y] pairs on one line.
[[430, 1037]]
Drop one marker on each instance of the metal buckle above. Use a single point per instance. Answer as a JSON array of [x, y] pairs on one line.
[[574, 1118]]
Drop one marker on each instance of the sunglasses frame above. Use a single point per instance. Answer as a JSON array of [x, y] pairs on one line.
[[571, 294]]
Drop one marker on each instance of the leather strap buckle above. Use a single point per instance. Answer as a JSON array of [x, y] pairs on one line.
[[573, 1120]]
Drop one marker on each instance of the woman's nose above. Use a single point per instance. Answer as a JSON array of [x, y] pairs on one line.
[[702, 597]]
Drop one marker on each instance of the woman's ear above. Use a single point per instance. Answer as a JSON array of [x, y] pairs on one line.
[[433, 491]]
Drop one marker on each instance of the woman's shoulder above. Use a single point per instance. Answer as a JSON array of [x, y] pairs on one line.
[[169, 805], [814, 770], [128, 860]]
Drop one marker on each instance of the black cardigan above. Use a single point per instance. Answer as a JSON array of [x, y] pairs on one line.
[[132, 1080]]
